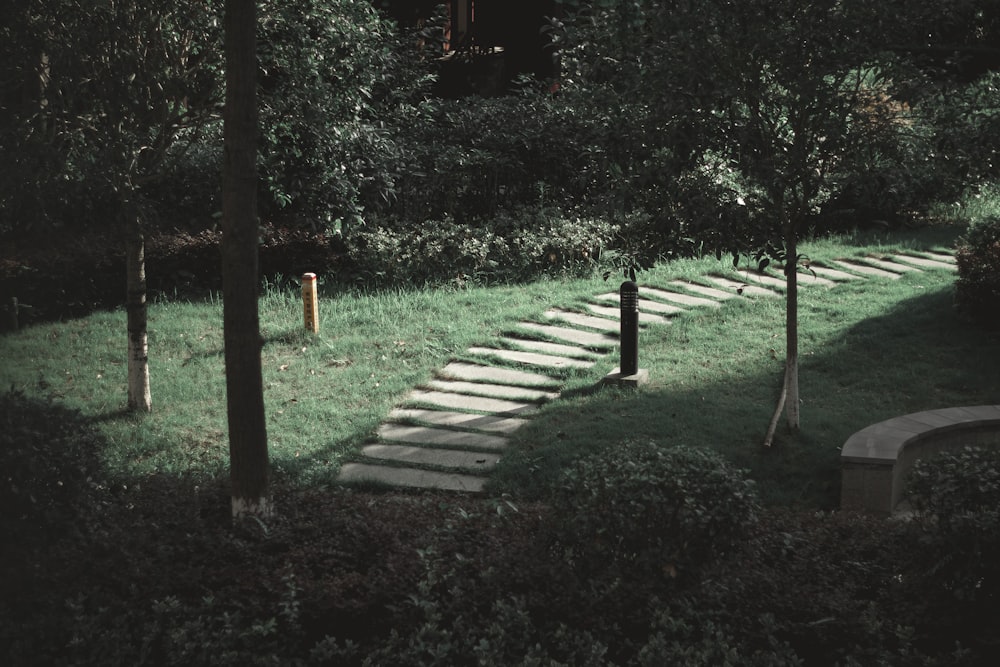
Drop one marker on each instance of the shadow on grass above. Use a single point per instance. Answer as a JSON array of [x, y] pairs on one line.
[[916, 356]]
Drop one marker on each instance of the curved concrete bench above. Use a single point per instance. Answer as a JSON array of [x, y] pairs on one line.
[[875, 460]]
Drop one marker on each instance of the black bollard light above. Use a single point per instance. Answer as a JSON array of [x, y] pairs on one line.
[[629, 294]]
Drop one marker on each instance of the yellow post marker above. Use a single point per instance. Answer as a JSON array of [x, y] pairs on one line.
[[310, 302]]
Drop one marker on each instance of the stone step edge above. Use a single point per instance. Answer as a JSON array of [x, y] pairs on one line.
[[397, 477]]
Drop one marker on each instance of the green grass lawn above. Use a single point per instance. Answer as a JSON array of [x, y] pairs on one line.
[[869, 350]]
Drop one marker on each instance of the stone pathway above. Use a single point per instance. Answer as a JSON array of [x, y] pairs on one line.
[[449, 433]]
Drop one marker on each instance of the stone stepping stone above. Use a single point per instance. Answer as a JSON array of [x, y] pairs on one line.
[[711, 292], [747, 289], [645, 305], [532, 358], [865, 269], [411, 477], [683, 299], [895, 267], [589, 321], [443, 458], [458, 370], [764, 279], [828, 274], [426, 435], [492, 390], [585, 338], [924, 262], [464, 420], [497, 406], [941, 256], [550, 348], [644, 318], [805, 278]]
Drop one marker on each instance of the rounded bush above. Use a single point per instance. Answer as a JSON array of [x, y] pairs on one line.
[[959, 492], [977, 292], [643, 505]]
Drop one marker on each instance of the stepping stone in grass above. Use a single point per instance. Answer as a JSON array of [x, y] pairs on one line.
[[647, 306], [826, 274], [683, 299], [941, 255], [866, 270], [497, 406], [463, 420], [492, 390], [755, 278], [889, 266], [711, 292], [644, 318], [804, 278], [584, 338], [476, 373], [589, 321], [551, 348], [745, 288], [425, 435], [924, 262], [411, 477], [443, 458], [532, 358]]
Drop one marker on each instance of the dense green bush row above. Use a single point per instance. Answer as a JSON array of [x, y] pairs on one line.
[[354, 142], [646, 555]]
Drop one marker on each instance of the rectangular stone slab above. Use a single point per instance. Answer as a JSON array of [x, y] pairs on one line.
[[471, 403], [942, 256], [866, 270], [753, 277], [546, 347], [443, 458], [805, 278], [826, 273], [464, 420], [458, 370], [895, 267], [492, 390], [645, 305], [411, 477], [586, 338], [644, 318], [532, 358], [924, 262], [704, 291], [425, 435], [589, 321], [746, 288]]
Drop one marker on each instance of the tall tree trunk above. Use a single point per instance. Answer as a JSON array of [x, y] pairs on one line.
[[792, 329], [139, 396], [248, 454], [788, 400]]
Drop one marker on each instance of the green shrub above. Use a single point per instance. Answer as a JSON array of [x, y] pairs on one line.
[[959, 495], [521, 245], [977, 292], [641, 505]]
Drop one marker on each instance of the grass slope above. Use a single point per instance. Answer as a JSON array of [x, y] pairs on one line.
[[870, 350]]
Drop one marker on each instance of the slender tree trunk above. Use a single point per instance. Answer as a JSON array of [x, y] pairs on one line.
[[139, 395], [788, 400], [244, 384], [792, 330]]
